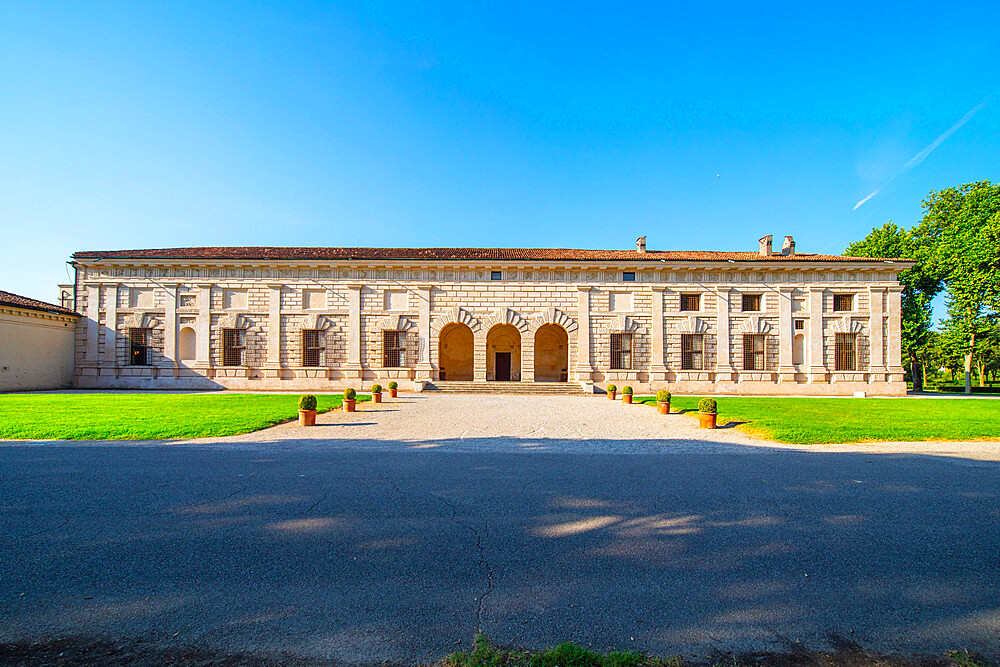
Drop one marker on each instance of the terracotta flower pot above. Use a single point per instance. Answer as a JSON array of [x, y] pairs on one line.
[[392, 393], [307, 417], [349, 404], [663, 408], [627, 399], [707, 419], [377, 397], [612, 394]]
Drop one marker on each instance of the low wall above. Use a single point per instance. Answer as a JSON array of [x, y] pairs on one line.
[[36, 350]]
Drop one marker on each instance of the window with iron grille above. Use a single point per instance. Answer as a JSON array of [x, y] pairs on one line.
[[139, 353], [751, 303], [800, 325], [843, 303], [692, 352], [753, 352], [621, 351], [846, 352], [393, 349], [233, 344], [312, 347], [628, 276], [690, 302]]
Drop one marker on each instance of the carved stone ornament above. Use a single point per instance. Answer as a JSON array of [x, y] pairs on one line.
[[755, 324], [235, 321], [141, 320], [554, 316], [847, 325]]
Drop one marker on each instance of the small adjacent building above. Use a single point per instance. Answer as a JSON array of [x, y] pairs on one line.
[[267, 318], [37, 342]]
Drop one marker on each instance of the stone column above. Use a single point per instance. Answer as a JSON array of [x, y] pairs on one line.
[[170, 328], [786, 336], [723, 362], [203, 356], [657, 363], [109, 360], [876, 334], [353, 368], [894, 345], [480, 350], [584, 365], [817, 367], [89, 365], [272, 366], [424, 369]]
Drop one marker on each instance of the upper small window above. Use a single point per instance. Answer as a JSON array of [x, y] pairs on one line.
[[843, 303], [690, 302], [751, 303], [628, 276], [800, 325], [496, 275]]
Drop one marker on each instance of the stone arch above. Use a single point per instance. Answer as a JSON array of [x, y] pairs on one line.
[[456, 352], [551, 348], [508, 316], [503, 339], [456, 315]]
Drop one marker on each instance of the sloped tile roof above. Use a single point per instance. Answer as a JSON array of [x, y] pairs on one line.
[[18, 301], [436, 254]]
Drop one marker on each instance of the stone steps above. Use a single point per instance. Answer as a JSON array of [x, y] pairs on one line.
[[460, 387]]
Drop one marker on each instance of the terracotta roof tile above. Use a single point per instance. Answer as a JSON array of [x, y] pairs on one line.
[[436, 254], [18, 301]]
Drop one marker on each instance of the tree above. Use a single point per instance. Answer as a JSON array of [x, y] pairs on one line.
[[919, 289], [960, 234]]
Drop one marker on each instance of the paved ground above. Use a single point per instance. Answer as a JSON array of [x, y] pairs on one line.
[[384, 537]]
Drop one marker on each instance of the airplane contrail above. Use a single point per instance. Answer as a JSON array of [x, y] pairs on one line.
[[861, 203]]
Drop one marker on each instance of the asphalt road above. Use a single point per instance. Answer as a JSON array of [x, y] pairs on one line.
[[403, 555]]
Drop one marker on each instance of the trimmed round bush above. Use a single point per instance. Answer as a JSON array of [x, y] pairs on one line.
[[350, 394], [376, 389], [393, 385], [708, 406], [663, 396], [627, 390], [307, 402], [611, 389]]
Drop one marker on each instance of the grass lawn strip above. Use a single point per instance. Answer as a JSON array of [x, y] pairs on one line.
[[811, 421], [147, 416]]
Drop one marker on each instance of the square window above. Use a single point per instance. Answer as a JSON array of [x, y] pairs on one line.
[[691, 302], [843, 303], [800, 325], [496, 275], [621, 351], [628, 276], [751, 303]]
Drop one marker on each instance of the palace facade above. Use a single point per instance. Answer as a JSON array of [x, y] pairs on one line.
[[321, 319]]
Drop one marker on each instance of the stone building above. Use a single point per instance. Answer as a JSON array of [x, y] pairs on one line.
[[760, 322], [37, 341]]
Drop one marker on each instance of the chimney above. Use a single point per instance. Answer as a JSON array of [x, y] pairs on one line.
[[765, 246], [788, 247], [640, 244]]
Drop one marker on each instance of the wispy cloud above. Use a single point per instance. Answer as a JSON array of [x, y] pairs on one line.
[[922, 155]]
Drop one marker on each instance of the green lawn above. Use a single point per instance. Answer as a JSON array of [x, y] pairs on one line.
[[809, 421], [144, 415]]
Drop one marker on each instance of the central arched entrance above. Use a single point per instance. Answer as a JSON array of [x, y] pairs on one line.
[[551, 354], [503, 353], [455, 352]]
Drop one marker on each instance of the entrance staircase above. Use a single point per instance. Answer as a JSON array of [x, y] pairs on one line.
[[483, 387]]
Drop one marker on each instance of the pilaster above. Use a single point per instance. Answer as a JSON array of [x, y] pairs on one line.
[[894, 349], [424, 369], [203, 357], [724, 370], [876, 334], [170, 328], [786, 336], [817, 366], [353, 368], [109, 360], [657, 363], [584, 365], [272, 366]]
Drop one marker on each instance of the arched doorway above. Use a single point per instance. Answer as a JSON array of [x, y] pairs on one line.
[[551, 354], [455, 352], [503, 353]]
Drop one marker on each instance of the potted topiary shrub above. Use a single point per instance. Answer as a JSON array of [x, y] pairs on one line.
[[707, 412], [377, 393], [392, 389], [627, 395], [307, 410], [349, 399], [663, 402], [612, 390]]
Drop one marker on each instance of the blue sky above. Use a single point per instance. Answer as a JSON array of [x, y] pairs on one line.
[[699, 125]]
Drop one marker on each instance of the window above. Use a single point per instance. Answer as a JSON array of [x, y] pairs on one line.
[[846, 352], [751, 303], [496, 275], [138, 344], [312, 347], [800, 325], [692, 352], [690, 302], [628, 276], [621, 351], [753, 352], [393, 349], [232, 346], [843, 303]]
